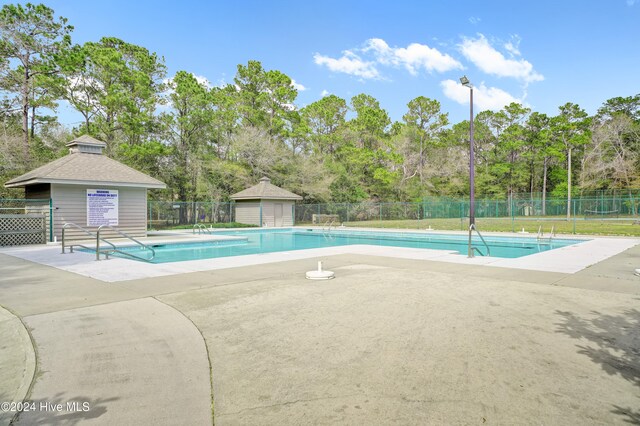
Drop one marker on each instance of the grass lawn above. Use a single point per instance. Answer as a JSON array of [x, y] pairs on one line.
[[622, 226]]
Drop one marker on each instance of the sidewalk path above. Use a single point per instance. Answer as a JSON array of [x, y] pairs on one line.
[[132, 358], [131, 362], [17, 362]]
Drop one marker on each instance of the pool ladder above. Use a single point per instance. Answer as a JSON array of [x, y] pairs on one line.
[[106, 252], [326, 228], [201, 229], [540, 236], [472, 249]]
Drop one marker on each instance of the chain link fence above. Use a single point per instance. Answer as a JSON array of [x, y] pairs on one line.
[[615, 215], [168, 214], [591, 215], [594, 214]]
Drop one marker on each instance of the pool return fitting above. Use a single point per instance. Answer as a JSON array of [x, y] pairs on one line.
[[320, 274]]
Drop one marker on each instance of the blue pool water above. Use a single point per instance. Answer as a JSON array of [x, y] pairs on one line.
[[277, 240]]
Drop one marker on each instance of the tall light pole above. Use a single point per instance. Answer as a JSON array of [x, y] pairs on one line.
[[472, 202]]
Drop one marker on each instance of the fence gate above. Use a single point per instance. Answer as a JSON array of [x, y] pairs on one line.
[[21, 229]]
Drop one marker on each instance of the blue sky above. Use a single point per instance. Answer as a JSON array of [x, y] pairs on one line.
[[541, 53]]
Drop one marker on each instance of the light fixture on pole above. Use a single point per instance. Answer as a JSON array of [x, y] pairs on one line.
[[472, 207]]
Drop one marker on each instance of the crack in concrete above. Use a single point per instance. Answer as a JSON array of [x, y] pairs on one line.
[[281, 404]]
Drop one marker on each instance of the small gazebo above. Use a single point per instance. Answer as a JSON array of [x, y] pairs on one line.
[[90, 189], [265, 205]]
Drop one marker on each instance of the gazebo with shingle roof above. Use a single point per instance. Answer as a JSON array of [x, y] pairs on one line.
[[90, 189], [265, 204]]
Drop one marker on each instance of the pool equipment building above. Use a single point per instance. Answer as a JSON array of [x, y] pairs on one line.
[[265, 205]]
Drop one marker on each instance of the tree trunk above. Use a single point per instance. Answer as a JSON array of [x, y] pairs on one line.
[[421, 160], [25, 115], [182, 195], [510, 201], [532, 168], [33, 122], [110, 137]]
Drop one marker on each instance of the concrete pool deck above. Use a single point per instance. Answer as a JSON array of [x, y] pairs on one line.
[[568, 259], [390, 340]]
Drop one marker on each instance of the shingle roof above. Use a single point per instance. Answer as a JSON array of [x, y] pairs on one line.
[[81, 168], [86, 140], [265, 190]]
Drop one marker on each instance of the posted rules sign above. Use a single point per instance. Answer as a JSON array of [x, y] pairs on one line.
[[102, 207]]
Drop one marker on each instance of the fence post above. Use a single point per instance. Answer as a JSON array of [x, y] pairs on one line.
[[195, 212], [574, 216], [50, 220], [513, 215]]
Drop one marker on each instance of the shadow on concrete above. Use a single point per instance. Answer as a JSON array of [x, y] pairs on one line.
[[614, 341], [61, 409], [632, 417], [613, 344]]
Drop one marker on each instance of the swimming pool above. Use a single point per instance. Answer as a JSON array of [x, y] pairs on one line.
[[279, 240]]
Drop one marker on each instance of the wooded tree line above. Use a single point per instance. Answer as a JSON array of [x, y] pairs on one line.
[[209, 142]]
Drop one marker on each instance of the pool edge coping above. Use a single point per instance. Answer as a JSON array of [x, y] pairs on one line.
[[568, 259]]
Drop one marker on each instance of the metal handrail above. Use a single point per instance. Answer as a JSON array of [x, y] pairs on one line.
[[97, 249], [479, 251], [472, 228], [541, 234], [201, 229], [91, 234], [328, 232], [129, 237]]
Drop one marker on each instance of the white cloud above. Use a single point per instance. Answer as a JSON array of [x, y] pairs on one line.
[[484, 98], [324, 93], [363, 62], [513, 46], [413, 57], [81, 86], [203, 81], [474, 20], [349, 63], [489, 60], [299, 87], [169, 90]]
